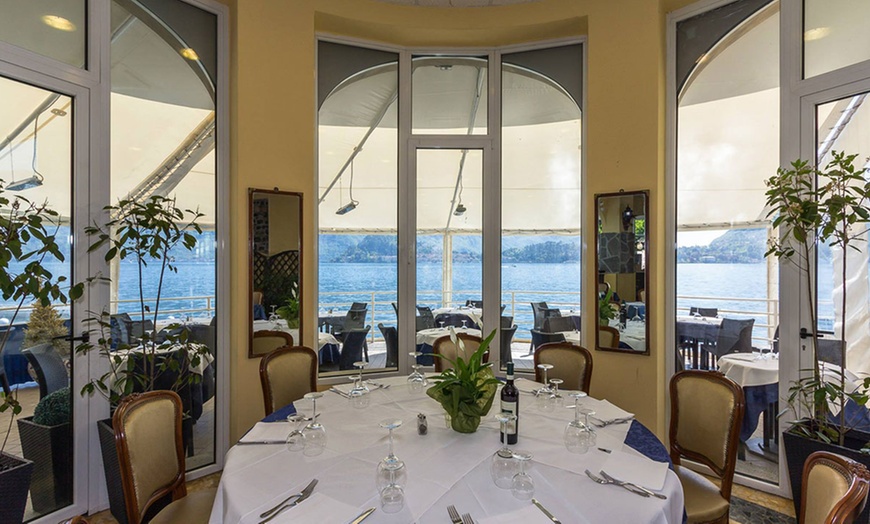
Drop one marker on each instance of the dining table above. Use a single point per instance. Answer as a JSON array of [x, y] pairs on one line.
[[327, 344], [444, 467], [695, 331], [472, 315], [758, 375]]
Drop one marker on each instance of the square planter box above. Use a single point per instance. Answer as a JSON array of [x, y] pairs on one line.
[[14, 485], [798, 448], [51, 450]]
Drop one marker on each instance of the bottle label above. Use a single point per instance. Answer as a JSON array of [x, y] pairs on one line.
[[510, 407]]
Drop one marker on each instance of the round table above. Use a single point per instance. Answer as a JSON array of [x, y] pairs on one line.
[[444, 467]]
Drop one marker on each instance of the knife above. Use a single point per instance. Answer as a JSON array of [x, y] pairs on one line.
[[362, 516], [547, 513]]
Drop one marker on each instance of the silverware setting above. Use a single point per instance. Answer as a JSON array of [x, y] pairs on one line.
[[250, 442], [545, 512], [378, 385], [605, 423], [632, 484], [362, 516], [340, 392], [624, 486], [284, 504], [454, 515], [466, 518]]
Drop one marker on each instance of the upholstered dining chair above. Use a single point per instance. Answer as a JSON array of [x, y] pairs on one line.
[[265, 342], [608, 337], [445, 347], [834, 489], [572, 364], [706, 414], [151, 459], [287, 374]]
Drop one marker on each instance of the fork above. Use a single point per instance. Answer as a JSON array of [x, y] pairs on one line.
[[632, 484], [624, 486], [454, 515], [466, 519]]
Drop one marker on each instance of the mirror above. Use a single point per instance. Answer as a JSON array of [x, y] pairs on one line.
[[275, 262], [621, 246]]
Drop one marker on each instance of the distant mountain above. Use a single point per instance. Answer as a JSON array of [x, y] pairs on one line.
[[737, 246]]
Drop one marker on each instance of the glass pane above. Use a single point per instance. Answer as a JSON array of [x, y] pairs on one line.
[[54, 28], [727, 292], [358, 209], [835, 35], [36, 163], [843, 126], [449, 95], [163, 143], [541, 213], [449, 243]]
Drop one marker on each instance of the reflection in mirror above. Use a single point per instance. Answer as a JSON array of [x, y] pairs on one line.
[[621, 248], [275, 238]]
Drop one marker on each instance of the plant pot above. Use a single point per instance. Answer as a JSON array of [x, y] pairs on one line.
[[14, 485], [112, 469], [799, 447], [51, 450]]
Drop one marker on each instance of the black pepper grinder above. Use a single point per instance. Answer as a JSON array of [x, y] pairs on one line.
[[422, 425]]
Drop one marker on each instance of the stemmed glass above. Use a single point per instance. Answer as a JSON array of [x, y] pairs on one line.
[[522, 485], [296, 440], [416, 380], [314, 433], [361, 364], [545, 389], [391, 475], [579, 436], [272, 315], [503, 466], [441, 324], [555, 397], [463, 324]]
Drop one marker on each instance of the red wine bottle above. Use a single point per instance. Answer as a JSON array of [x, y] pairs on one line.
[[510, 403]]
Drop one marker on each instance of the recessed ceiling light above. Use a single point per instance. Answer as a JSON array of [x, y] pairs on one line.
[[816, 33], [189, 53], [58, 22]]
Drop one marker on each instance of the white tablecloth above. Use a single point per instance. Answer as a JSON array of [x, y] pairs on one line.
[[281, 325], [475, 314], [429, 336], [204, 360], [749, 369], [444, 467]]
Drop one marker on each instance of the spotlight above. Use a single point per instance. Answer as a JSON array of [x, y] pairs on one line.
[[347, 208], [460, 210], [27, 183]]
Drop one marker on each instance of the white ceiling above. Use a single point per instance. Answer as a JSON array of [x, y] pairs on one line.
[[457, 3]]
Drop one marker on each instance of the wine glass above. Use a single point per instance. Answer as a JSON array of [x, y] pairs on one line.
[[545, 389], [555, 397], [361, 364], [503, 466], [391, 475], [463, 323], [441, 324], [416, 380], [579, 436], [522, 485], [272, 315], [314, 433], [296, 440], [358, 396]]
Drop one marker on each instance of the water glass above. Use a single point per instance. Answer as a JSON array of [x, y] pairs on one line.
[[503, 466], [314, 433], [391, 474], [522, 486], [296, 440], [579, 436], [416, 380]]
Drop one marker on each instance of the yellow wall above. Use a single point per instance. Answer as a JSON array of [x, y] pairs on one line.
[[272, 135]]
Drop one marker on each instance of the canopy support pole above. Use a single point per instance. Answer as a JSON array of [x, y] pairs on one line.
[[447, 270], [470, 128]]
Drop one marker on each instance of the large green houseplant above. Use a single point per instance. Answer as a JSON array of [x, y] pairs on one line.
[[144, 234], [812, 207], [465, 390], [27, 244]]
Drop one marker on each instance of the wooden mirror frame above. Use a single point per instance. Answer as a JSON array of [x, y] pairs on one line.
[[599, 201], [251, 192]]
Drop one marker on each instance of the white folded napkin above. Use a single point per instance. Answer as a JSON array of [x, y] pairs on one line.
[[605, 411], [267, 432], [527, 386], [318, 509], [527, 515], [636, 469]]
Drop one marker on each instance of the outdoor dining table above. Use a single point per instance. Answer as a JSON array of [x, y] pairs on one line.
[[695, 330], [443, 467], [426, 339], [758, 375], [327, 344], [474, 315]]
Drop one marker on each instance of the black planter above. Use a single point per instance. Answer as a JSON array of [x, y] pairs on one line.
[[14, 485], [798, 448], [112, 470], [51, 450]]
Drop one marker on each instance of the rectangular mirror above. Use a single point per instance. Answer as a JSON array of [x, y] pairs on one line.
[[275, 261], [621, 246]]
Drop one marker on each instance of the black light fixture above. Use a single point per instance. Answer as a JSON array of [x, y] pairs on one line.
[[350, 206], [460, 210], [627, 217]]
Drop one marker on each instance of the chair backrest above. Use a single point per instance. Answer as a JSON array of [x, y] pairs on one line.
[[538, 309], [704, 311], [507, 336], [454, 319], [428, 318], [603, 288], [257, 298], [572, 364], [829, 350], [391, 338], [395, 308], [421, 323], [735, 336], [138, 328], [352, 347], [608, 337], [557, 324], [706, 413], [359, 306], [287, 374], [834, 489], [445, 347], [506, 322], [540, 338], [354, 319], [204, 334], [51, 374], [265, 342], [119, 329], [150, 450]]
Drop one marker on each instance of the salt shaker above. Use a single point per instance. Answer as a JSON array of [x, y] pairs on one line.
[[422, 425]]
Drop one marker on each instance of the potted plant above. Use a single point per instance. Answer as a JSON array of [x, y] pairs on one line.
[[607, 311], [290, 310], [145, 233], [47, 441], [27, 244], [812, 207], [467, 389]]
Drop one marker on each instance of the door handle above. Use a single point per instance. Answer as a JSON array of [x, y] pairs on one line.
[[85, 337], [808, 334]]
